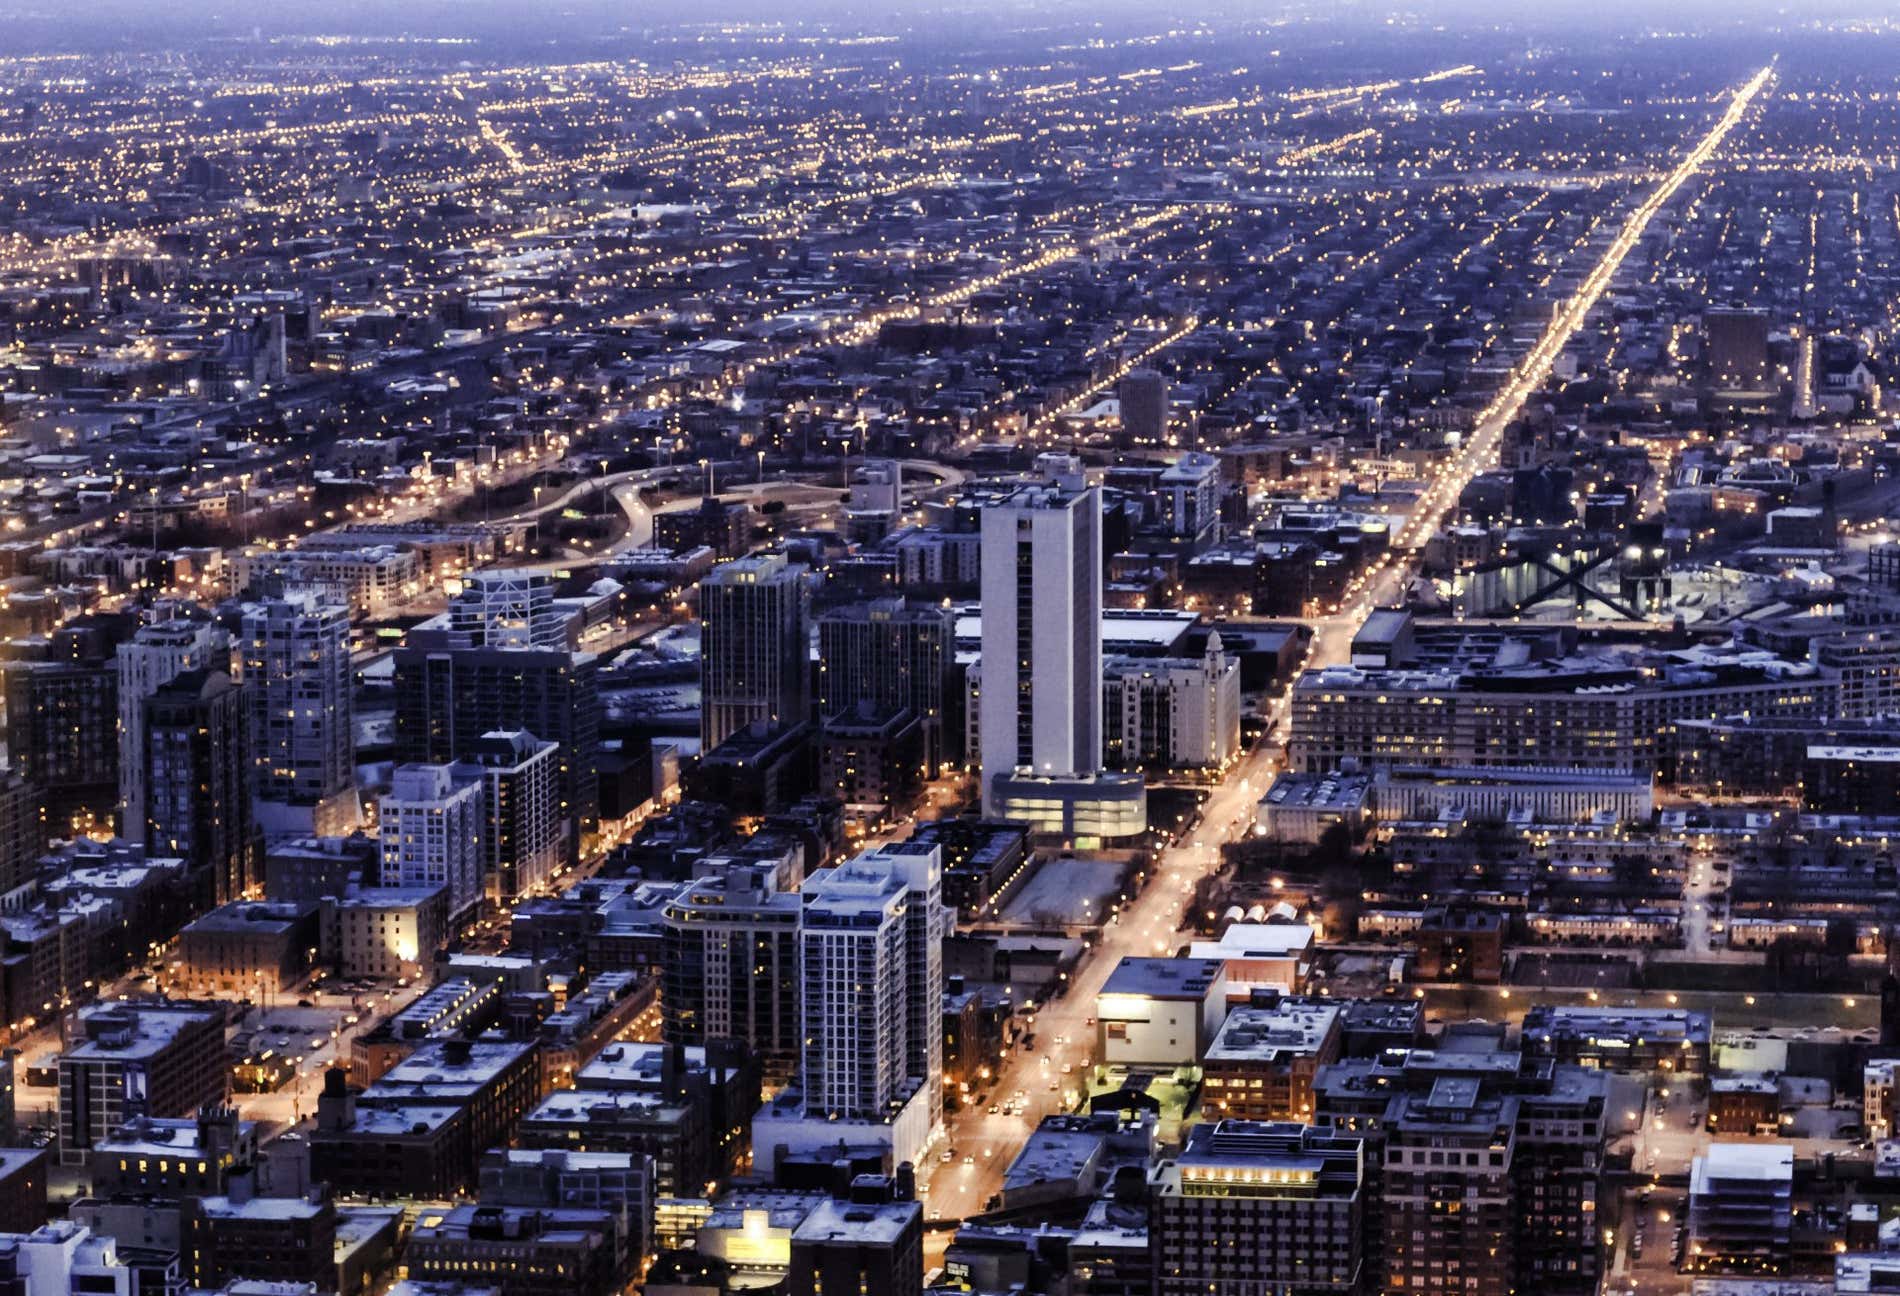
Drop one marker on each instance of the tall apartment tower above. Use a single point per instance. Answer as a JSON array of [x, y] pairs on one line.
[[297, 668], [1737, 345], [450, 695], [894, 654], [755, 646], [1039, 700], [507, 608], [731, 966], [928, 922], [197, 773], [1041, 704], [520, 778], [1143, 395], [854, 998], [63, 737], [155, 654], [432, 834], [871, 965]]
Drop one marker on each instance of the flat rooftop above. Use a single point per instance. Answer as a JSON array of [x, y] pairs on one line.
[[1291, 1028], [1163, 978]]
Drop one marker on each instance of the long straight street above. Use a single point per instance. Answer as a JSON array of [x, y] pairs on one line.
[[980, 1145]]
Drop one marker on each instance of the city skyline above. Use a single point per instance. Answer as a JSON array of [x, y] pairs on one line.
[[950, 650]]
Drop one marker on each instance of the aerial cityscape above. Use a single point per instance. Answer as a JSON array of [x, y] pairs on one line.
[[1021, 649]]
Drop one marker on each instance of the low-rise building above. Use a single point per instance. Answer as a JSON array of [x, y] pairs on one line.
[[1620, 1039], [250, 947], [524, 1251], [385, 932], [1255, 1206], [1160, 1011], [1260, 1066], [164, 1059], [1741, 1209]]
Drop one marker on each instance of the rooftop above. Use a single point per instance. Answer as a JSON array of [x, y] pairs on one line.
[[1163, 978]]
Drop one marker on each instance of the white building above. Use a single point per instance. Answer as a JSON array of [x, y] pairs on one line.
[[432, 834], [1741, 1206], [154, 656], [1191, 490], [1172, 712], [755, 646], [1160, 1011], [1261, 955], [1040, 702], [372, 577], [853, 1006], [870, 957], [297, 664], [62, 1258]]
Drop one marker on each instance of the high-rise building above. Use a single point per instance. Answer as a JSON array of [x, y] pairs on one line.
[[195, 784], [431, 829], [897, 655], [871, 966], [928, 922], [507, 608], [1737, 342], [154, 655], [521, 811], [731, 966], [870, 1005], [1143, 395], [1172, 712], [1039, 698], [448, 699], [854, 992], [63, 738], [1190, 492], [755, 646], [297, 670], [22, 832], [1251, 1206]]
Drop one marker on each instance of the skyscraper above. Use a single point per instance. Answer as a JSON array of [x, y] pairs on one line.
[[871, 954], [156, 654], [1042, 635], [895, 654], [854, 991], [870, 1003], [197, 768], [1143, 396], [432, 834], [448, 698], [506, 608], [297, 668], [1040, 699], [731, 966], [521, 811], [63, 738], [755, 646]]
